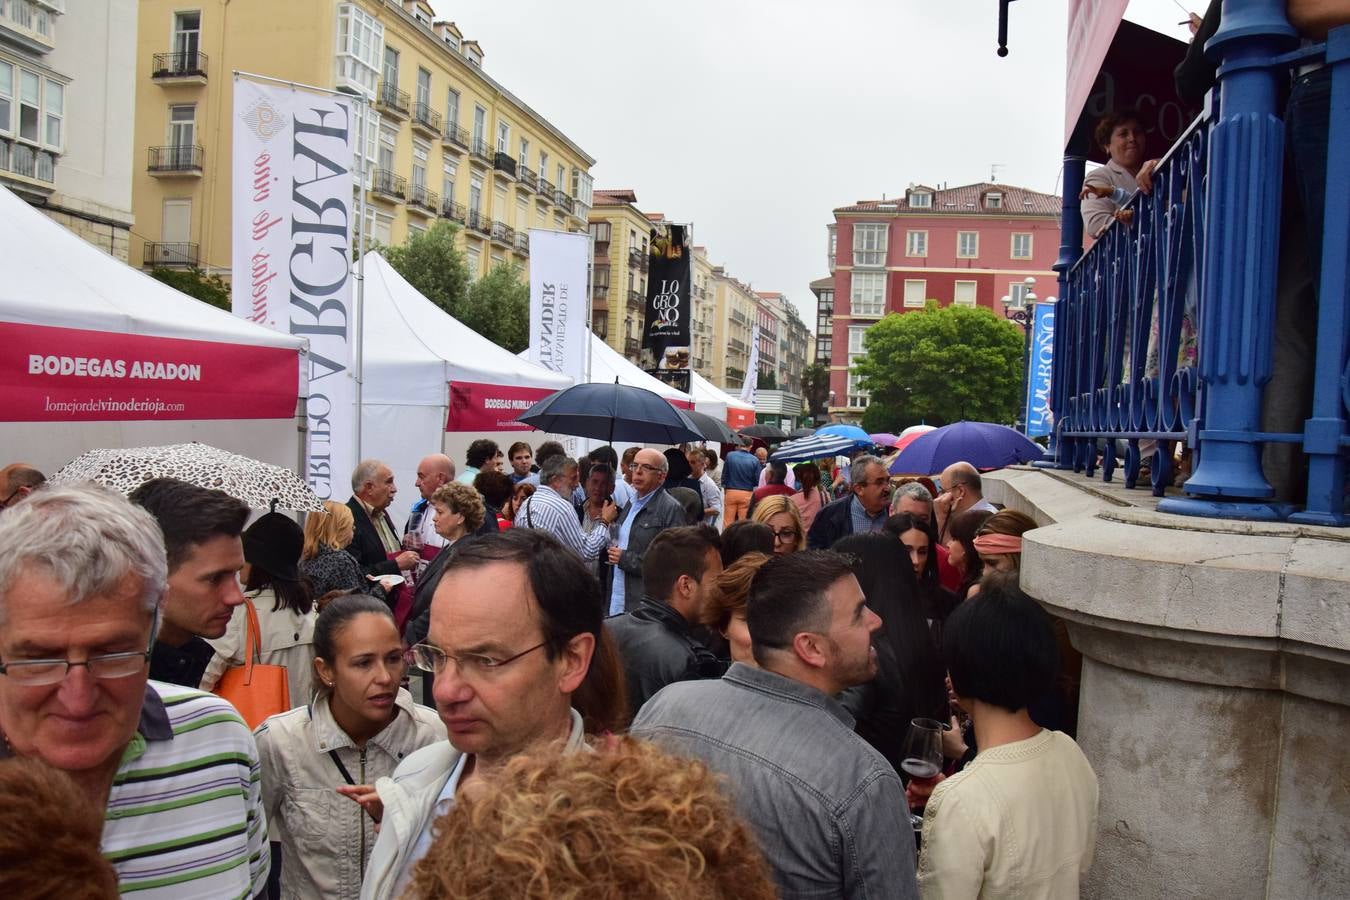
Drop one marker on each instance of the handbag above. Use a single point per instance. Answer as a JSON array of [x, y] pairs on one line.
[[254, 689]]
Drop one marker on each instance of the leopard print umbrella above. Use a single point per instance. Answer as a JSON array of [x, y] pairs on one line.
[[258, 484]]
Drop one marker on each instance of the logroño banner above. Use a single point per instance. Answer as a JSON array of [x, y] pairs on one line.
[[50, 374], [1040, 420], [559, 333], [666, 331], [293, 211]]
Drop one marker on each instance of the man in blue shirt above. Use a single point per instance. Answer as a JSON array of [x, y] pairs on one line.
[[651, 512], [740, 477]]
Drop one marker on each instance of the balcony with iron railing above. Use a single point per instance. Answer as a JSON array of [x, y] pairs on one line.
[[392, 101], [27, 168], [455, 139], [179, 68], [545, 189], [562, 201], [526, 179], [503, 234], [182, 161], [637, 259], [422, 201], [637, 300], [389, 185], [426, 120], [453, 211], [632, 349], [503, 165], [480, 153], [1163, 331], [479, 223], [172, 255], [523, 243]]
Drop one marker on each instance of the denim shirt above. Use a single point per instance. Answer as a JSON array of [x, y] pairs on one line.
[[829, 811]]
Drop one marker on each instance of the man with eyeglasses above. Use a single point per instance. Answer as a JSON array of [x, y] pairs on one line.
[[514, 624], [651, 512], [17, 481], [863, 511], [962, 490], [82, 577]]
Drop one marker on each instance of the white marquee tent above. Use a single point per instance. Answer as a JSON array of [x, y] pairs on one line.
[[710, 399]]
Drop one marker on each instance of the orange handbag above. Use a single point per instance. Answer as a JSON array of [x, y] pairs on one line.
[[255, 690]]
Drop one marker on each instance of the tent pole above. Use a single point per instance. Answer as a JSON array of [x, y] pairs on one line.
[[360, 330]]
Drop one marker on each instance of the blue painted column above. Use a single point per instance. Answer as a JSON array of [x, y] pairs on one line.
[[1070, 249], [1246, 156]]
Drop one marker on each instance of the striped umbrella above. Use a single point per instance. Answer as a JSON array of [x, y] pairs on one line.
[[814, 447]]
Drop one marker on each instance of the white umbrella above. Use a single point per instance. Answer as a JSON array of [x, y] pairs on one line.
[[258, 484]]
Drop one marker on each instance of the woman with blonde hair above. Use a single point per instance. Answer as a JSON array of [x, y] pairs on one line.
[[324, 559], [725, 606], [780, 514], [999, 540]]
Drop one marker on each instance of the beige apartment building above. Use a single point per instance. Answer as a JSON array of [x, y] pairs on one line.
[[444, 140], [620, 233], [734, 319]]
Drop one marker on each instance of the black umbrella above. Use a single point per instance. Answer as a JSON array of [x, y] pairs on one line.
[[611, 412], [802, 432], [712, 428], [764, 432]]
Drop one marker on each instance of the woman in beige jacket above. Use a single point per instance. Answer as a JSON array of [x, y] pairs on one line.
[[359, 727]]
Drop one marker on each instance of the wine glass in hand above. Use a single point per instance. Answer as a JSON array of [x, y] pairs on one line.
[[921, 757]]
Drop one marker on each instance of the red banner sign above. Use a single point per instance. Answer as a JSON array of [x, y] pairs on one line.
[[52, 374], [740, 418], [490, 407]]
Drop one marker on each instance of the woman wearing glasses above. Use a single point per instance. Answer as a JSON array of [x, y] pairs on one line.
[[780, 514], [359, 727]]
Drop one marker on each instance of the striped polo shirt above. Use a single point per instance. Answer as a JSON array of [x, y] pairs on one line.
[[185, 814]]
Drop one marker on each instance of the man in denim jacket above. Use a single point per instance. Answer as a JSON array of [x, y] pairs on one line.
[[829, 811]]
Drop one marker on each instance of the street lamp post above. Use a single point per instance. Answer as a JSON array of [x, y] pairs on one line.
[[1023, 315]]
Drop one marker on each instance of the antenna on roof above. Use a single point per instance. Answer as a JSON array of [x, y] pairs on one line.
[[993, 171]]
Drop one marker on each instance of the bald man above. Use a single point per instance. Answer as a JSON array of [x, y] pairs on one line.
[[17, 481], [961, 490], [432, 472]]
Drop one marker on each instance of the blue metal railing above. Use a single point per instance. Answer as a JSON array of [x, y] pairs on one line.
[[1202, 250]]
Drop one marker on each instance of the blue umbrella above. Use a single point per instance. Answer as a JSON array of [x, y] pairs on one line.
[[982, 444], [813, 447], [860, 437], [611, 412]]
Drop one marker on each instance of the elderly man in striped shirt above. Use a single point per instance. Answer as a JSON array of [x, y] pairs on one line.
[[550, 509], [82, 577]]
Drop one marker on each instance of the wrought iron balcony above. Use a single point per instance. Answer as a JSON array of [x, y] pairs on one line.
[[426, 119], [481, 152], [526, 178], [176, 160], [170, 255], [424, 201], [393, 101], [455, 137], [636, 258], [388, 184], [504, 163], [27, 162], [453, 211], [632, 348], [503, 234], [479, 222], [545, 188], [637, 300], [523, 243], [1164, 328], [179, 66], [561, 200]]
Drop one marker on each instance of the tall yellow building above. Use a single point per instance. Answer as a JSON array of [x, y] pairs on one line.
[[705, 317], [444, 139], [733, 320], [620, 233]]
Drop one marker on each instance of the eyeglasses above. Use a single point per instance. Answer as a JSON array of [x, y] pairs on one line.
[[786, 536], [430, 658], [107, 666], [646, 467], [879, 482]]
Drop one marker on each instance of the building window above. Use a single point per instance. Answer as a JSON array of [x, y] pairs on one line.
[[869, 244], [916, 290], [388, 137], [448, 173], [1017, 294], [916, 243], [964, 294], [967, 244], [451, 108], [475, 193], [834, 244], [182, 125], [524, 152], [419, 167], [475, 260], [379, 227], [391, 66], [187, 32], [415, 230], [857, 397], [176, 221], [561, 183], [921, 200], [503, 137], [1021, 245], [868, 296], [6, 98], [855, 341], [424, 88], [30, 100], [479, 125], [360, 42], [993, 201], [543, 165]]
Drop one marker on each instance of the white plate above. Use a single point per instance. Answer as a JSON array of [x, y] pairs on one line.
[[387, 581]]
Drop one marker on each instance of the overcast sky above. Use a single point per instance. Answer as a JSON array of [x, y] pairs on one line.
[[753, 119]]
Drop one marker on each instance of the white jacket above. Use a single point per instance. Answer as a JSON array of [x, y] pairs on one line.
[[408, 799], [287, 640], [325, 838]]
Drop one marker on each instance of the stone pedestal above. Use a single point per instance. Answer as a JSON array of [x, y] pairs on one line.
[[1215, 695]]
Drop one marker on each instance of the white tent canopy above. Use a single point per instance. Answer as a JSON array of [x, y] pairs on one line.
[[607, 365], [53, 279], [413, 352], [710, 399]]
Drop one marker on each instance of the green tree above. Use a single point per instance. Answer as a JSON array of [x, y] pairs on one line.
[[768, 381], [940, 366], [194, 282], [816, 388], [498, 307], [432, 264]]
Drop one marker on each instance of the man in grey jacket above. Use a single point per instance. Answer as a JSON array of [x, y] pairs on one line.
[[651, 512], [829, 811]]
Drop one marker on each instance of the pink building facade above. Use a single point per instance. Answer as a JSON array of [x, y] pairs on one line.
[[971, 245]]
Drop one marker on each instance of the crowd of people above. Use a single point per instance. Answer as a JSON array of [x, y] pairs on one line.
[[662, 674]]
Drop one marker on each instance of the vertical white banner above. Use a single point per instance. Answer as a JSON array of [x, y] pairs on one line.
[[751, 382], [291, 239], [559, 335]]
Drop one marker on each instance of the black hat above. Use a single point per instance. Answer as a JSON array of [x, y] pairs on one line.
[[274, 544]]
